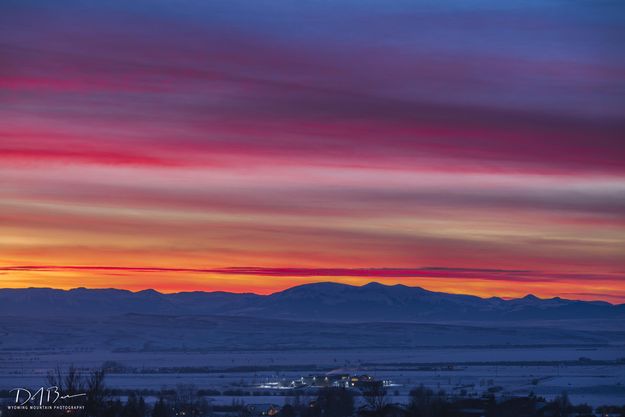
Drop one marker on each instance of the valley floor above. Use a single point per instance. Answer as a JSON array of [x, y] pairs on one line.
[[598, 378]]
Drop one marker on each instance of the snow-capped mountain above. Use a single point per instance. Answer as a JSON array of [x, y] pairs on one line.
[[323, 301]]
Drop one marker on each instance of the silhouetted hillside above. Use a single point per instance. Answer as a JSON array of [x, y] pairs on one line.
[[321, 301]]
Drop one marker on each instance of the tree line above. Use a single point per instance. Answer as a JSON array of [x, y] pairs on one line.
[[188, 401]]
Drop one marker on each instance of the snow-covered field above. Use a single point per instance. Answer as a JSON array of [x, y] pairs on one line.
[[225, 355], [529, 370]]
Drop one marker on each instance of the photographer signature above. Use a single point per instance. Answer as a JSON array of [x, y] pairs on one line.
[[43, 395]]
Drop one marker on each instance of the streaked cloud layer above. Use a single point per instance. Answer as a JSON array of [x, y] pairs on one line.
[[251, 146]]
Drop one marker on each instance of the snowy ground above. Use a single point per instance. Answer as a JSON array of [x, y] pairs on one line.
[[585, 361], [529, 369]]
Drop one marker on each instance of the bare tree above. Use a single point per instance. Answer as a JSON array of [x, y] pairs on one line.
[[376, 398], [96, 392], [72, 382]]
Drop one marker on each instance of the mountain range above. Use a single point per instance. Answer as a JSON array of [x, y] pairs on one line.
[[324, 301]]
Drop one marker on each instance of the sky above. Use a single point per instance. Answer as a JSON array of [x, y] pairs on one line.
[[249, 146]]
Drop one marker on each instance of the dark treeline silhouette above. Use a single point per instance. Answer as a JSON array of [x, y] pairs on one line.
[[188, 401]]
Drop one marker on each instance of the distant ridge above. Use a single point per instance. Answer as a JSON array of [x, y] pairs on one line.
[[323, 301]]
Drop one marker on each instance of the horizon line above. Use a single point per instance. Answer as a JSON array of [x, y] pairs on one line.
[[481, 282], [148, 289]]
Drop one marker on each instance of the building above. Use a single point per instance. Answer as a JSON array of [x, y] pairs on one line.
[[257, 410]]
